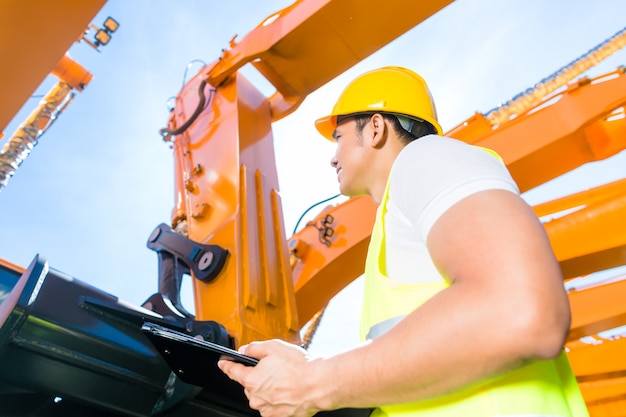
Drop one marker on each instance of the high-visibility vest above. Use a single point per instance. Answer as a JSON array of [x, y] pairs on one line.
[[541, 388]]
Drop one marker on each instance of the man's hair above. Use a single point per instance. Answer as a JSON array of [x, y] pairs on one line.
[[418, 130]]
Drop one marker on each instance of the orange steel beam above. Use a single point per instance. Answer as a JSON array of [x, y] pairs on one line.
[[596, 390], [600, 363], [10, 265], [595, 362], [604, 397], [227, 195], [322, 267], [581, 198], [307, 44], [34, 36], [72, 73], [593, 237], [564, 132], [600, 369], [591, 316]]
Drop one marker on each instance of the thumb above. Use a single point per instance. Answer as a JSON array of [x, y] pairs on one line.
[[232, 369], [257, 350]]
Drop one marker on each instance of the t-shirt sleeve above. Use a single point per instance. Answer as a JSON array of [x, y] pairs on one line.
[[433, 173]]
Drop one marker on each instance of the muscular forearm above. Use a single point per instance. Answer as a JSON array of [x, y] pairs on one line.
[[453, 341], [467, 333], [505, 306]]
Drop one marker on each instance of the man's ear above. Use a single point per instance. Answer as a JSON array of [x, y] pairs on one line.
[[379, 130]]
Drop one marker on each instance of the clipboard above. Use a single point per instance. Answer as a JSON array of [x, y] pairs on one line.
[[210, 349], [194, 361]]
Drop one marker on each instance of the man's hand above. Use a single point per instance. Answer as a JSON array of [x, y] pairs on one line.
[[276, 386]]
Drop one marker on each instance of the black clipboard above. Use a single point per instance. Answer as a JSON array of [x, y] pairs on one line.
[[194, 361], [212, 350]]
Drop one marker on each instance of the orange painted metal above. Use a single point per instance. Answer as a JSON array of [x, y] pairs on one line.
[[604, 395], [589, 316], [225, 165], [307, 44], [226, 186], [603, 359], [560, 134], [10, 265], [72, 73], [46, 30], [592, 238], [322, 266], [580, 199], [226, 183]]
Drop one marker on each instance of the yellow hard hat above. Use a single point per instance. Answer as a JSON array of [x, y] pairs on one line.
[[395, 90]]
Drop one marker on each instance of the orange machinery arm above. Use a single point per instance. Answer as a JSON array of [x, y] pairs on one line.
[[32, 58], [27, 63], [226, 182], [307, 44]]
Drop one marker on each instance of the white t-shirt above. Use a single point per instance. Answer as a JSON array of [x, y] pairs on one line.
[[428, 177]]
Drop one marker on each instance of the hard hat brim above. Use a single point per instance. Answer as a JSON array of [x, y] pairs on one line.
[[326, 126]]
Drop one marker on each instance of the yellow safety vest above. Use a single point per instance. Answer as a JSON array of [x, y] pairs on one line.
[[542, 388]]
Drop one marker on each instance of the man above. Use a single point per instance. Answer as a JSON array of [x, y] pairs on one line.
[[465, 313]]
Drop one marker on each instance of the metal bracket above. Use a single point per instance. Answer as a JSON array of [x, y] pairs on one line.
[[206, 261]]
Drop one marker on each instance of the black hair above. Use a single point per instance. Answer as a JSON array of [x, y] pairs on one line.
[[418, 130]]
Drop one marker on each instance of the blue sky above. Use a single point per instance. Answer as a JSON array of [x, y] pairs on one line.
[[100, 179]]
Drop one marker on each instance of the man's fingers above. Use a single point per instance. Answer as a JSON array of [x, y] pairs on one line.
[[233, 370], [260, 350], [256, 349]]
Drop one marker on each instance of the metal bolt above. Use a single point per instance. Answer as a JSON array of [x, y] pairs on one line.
[[155, 234], [205, 261], [197, 169]]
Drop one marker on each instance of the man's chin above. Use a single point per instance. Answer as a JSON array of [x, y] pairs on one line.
[[350, 192]]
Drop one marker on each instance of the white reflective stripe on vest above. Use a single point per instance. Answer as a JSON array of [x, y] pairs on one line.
[[383, 327]]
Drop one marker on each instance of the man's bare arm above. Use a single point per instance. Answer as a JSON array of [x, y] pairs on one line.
[[505, 306]]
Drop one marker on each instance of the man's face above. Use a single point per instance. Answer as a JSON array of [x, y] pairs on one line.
[[350, 158]]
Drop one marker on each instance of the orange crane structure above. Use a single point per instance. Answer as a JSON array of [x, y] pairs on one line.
[[61, 338]]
